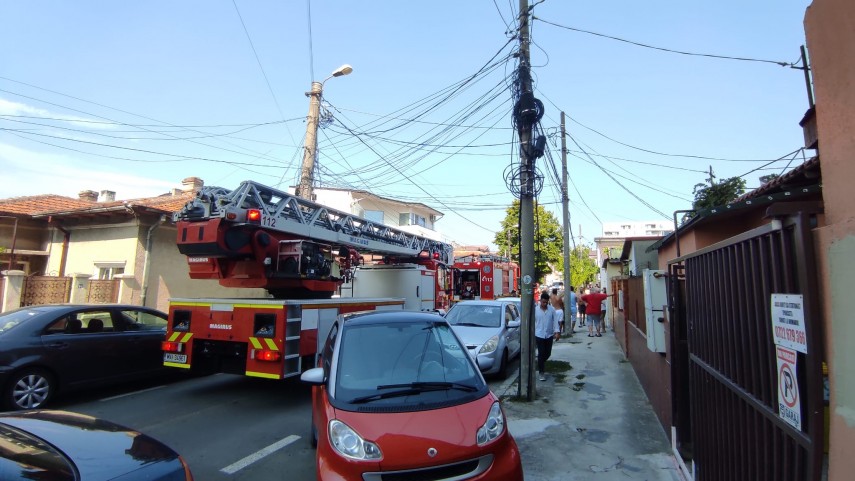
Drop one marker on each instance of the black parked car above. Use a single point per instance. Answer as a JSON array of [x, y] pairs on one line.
[[48, 348], [65, 446]]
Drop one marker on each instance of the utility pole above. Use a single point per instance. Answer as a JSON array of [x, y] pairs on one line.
[[310, 144], [525, 113], [305, 189], [566, 227]]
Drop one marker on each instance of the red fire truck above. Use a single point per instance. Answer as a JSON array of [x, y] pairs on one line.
[[302, 253], [480, 275]]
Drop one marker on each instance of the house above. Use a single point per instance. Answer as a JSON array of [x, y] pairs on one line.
[[413, 217], [97, 249]]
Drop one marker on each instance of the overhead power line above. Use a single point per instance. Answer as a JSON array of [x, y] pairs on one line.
[[669, 50]]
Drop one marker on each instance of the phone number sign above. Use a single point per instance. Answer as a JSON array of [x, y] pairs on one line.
[[788, 321]]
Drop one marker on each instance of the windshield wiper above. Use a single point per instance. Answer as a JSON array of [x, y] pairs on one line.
[[471, 324], [431, 386], [411, 389]]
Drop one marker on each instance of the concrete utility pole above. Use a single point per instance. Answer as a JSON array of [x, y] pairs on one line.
[[566, 227], [310, 144], [524, 128]]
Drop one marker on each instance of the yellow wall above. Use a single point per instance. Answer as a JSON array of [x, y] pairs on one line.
[[94, 244]]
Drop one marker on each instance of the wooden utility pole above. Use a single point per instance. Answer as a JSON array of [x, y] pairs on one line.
[[524, 130], [566, 227]]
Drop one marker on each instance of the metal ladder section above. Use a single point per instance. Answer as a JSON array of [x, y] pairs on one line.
[[288, 213]]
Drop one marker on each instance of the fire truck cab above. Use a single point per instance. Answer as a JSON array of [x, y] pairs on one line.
[[484, 276]]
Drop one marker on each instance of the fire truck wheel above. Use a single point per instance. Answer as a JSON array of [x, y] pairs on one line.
[[29, 388]]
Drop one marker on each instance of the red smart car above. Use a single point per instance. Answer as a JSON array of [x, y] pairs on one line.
[[399, 397]]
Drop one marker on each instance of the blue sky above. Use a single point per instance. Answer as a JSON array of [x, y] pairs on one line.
[[135, 96]]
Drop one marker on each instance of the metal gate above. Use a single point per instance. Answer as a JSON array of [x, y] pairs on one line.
[[725, 370], [45, 290]]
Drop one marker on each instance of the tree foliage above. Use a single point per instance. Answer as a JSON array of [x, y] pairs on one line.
[[583, 269], [716, 194], [548, 241]]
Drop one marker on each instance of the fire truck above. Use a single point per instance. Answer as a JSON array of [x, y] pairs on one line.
[[311, 259], [484, 276]]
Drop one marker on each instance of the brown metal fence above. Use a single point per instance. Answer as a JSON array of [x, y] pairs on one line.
[[724, 348], [103, 291], [45, 290], [632, 289]]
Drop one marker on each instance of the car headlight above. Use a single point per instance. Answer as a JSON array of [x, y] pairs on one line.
[[490, 345], [493, 427], [351, 445]]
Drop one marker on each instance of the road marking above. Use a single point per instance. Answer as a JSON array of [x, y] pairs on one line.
[[235, 467], [131, 393]]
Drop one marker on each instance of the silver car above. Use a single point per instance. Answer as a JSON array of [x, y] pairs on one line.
[[490, 330]]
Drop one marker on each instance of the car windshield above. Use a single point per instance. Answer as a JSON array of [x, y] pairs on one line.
[[13, 318], [403, 363], [476, 315]]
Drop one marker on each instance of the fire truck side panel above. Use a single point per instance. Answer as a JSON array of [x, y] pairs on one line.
[[498, 282], [416, 284], [259, 338]]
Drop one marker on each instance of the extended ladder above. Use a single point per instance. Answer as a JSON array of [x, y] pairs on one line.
[[287, 213]]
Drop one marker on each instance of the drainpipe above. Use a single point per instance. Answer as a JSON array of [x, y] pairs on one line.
[[66, 236], [147, 263]]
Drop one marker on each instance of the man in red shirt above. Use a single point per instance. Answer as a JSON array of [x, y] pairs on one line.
[[594, 311]]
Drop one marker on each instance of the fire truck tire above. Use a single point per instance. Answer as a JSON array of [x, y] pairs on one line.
[[29, 388]]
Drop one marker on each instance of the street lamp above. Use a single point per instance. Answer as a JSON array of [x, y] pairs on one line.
[[310, 144]]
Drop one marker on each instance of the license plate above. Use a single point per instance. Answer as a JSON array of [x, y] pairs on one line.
[[168, 357]]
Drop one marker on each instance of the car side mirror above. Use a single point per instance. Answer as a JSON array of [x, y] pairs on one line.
[[314, 376], [513, 324]]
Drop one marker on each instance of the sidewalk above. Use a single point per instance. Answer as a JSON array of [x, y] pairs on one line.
[[591, 419]]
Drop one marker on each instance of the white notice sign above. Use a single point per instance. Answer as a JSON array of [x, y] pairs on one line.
[[789, 405], [788, 321]]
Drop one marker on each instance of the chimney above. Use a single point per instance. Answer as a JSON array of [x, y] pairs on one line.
[[108, 196], [175, 192], [192, 184], [89, 195]]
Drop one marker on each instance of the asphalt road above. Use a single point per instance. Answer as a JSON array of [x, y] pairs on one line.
[[227, 427]]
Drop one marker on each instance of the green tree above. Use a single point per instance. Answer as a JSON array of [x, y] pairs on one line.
[[583, 269], [548, 241], [716, 194]]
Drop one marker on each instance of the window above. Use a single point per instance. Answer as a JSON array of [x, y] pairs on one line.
[[145, 321], [109, 269], [410, 218], [374, 216]]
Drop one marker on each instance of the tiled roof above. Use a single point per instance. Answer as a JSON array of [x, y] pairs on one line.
[[804, 174], [37, 204]]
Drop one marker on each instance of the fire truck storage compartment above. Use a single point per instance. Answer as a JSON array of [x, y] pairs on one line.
[[413, 282]]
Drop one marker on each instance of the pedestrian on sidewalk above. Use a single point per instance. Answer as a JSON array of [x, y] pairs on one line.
[[574, 308], [557, 303], [545, 331], [594, 311], [559, 314], [582, 308]]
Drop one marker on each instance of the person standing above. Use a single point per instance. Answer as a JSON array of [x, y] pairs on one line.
[[573, 310], [582, 308], [594, 311], [545, 332], [557, 303], [559, 314]]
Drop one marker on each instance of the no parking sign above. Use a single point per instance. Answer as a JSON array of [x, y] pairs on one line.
[[789, 403]]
